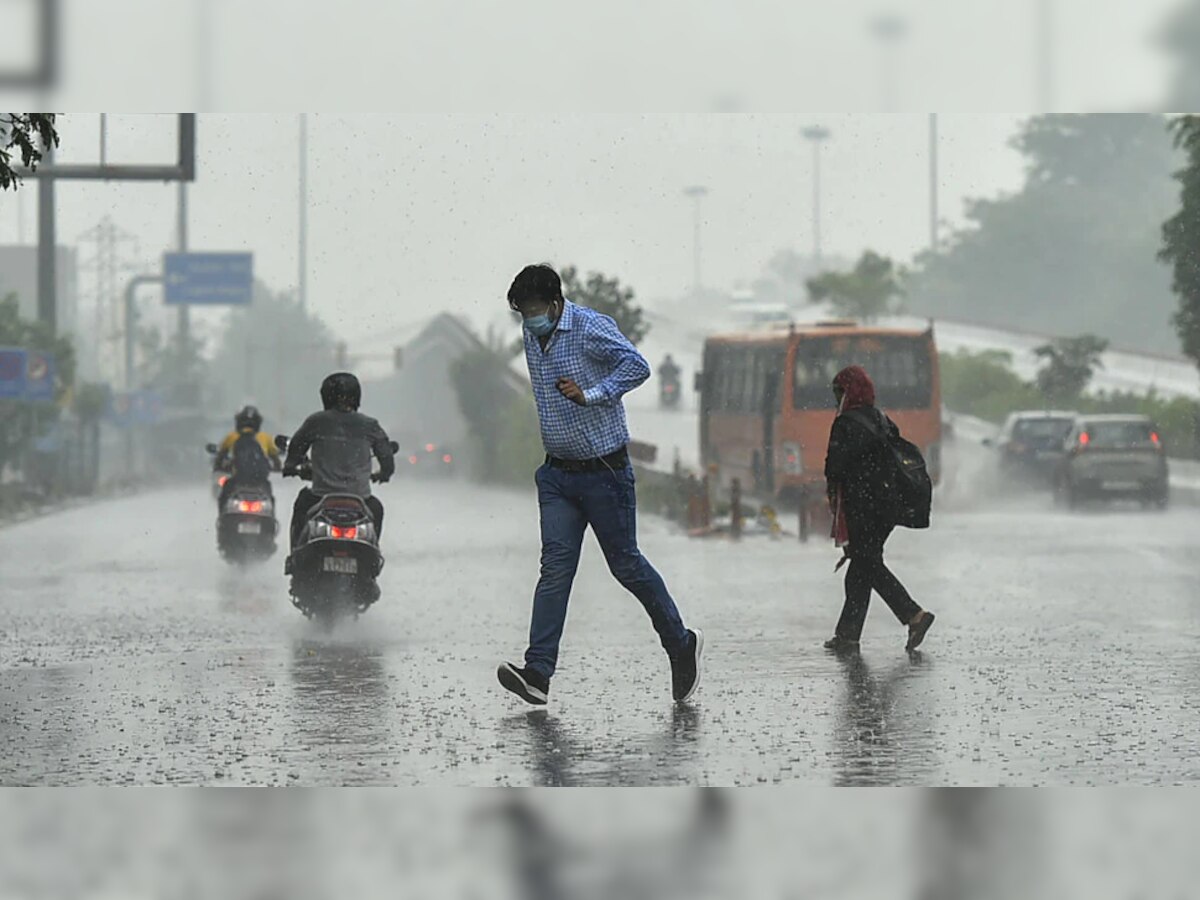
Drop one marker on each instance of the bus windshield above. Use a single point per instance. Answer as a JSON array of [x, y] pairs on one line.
[[899, 365]]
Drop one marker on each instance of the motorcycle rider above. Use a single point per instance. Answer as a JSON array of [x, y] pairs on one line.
[[668, 374], [341, 440], [247, 453]]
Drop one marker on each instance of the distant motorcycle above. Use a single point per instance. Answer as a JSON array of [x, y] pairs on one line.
[[246, 523], [668, 395], [337, 560]]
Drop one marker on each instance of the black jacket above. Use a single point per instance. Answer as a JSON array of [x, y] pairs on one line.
[[858, 460]]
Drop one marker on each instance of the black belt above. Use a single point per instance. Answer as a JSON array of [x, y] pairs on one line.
[[618, 459]]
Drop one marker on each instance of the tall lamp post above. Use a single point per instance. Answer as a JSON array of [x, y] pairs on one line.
[[890, 29], [697, 192], [816, 135]]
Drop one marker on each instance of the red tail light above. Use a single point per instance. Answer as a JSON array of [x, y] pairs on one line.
[[1154, 438], [447, 458], [249, 506], [221, 481], [1084, 439], [412, 460], [349, 533], [429, 448]]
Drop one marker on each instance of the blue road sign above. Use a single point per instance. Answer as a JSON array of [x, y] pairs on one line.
[[213, 279], [13, 364], [39, 377]]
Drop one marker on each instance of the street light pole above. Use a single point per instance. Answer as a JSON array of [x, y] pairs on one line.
[[890, 29], [697, 192], [302, 252], [933, 182], [816, 134]]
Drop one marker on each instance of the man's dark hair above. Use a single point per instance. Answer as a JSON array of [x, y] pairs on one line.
[[538, 283]]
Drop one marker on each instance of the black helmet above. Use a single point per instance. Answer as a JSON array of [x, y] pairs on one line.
[[341, 390], [249, 417]]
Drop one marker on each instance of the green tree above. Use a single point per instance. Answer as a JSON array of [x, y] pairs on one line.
[[1181, 238], [864, 292], [1076, 241], [24, 134], [1069, 366], [20, 421], [504, 427], [274, 355], [606, 295]]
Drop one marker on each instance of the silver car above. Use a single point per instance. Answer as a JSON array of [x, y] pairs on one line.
[[1114, 456]]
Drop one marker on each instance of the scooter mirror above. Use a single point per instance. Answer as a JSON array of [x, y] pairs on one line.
[[211, 448], [282, 441], [395, 447]]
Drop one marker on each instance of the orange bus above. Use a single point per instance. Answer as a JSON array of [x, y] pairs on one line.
[[766, 402]]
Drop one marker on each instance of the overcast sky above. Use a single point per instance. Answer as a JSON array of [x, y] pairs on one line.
[[413, 213]]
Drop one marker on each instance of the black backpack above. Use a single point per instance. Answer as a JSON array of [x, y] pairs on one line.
[[250, 463], [905, 480]]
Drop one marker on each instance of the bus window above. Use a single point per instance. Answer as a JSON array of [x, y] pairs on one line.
[[900, 367]]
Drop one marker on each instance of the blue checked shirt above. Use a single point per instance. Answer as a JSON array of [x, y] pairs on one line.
[[588, 348]]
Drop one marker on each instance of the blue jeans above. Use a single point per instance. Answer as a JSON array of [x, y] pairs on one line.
[[571, 501]]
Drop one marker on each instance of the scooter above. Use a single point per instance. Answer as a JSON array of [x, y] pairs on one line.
[[246, 523], [337, 561], [668, 395]]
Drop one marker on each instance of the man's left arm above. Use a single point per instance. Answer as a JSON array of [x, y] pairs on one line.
[[604, 343]]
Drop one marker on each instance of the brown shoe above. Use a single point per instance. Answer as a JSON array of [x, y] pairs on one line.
[[916, 631]]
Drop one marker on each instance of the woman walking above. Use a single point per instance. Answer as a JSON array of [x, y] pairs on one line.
[[856, 469]]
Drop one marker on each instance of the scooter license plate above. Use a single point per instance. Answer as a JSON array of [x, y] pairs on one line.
[[249, 528], [344, 565]]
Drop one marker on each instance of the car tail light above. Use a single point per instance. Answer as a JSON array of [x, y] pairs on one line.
[[1084, 439], [1156, 440], [348, 533], [221, 481], [793, 459], [412, 460], [447, 458], [429, 448]]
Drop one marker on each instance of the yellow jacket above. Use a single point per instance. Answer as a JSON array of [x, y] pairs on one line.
[[264, 440]]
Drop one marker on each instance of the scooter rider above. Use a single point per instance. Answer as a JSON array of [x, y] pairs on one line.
[[247, 453], [341, 440]]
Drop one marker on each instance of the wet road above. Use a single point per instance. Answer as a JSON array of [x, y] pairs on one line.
[[1066, 652]]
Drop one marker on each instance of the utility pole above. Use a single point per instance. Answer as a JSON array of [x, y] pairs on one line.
[[697, 192], [303, 248], [107, 320], [933, 182], [182, 226], [47, 305], [817, 135]]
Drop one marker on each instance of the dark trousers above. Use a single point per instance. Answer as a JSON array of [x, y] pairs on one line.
[[306, 500], [867, 572], [606, 501]]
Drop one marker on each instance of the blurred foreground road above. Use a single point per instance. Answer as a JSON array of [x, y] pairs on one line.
[[1066, 652]]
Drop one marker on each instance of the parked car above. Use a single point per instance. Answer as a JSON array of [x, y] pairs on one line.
[[1109, 457], [1031, 444], [429, 460]]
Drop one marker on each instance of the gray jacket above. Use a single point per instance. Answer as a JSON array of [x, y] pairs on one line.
[[342, 443]]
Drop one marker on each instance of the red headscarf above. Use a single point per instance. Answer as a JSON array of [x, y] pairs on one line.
[[859, 388], [859, 392]]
